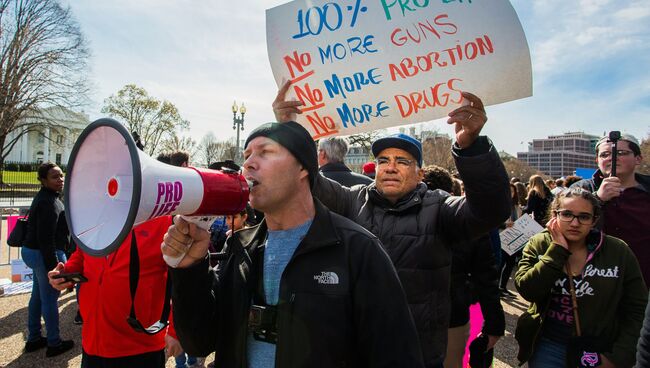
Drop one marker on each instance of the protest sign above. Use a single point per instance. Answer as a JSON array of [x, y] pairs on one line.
[[514, 238], [361, 65], [20, 271]]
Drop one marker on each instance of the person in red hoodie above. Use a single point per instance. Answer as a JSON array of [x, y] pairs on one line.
[[105, 302]]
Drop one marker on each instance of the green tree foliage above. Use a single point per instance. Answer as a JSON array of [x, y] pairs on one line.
[[154, 120]]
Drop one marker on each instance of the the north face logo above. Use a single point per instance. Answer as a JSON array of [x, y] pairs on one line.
[[327, 278]]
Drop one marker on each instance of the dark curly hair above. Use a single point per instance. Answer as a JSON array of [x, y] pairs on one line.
[[436, 177], [45, 168], [571, 179]]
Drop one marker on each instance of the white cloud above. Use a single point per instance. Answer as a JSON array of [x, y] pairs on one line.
[[203, 55]]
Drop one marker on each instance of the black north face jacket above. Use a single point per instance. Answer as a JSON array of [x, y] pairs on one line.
[[418, 230], [341, 303]]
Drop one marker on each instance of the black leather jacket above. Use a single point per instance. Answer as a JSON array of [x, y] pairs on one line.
[[359, 318]]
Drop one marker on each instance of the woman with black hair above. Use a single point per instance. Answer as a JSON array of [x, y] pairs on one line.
[[43, 248]]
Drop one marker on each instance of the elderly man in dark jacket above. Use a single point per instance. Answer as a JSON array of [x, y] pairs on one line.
[[331, 154], [417, 226], [305, 288]]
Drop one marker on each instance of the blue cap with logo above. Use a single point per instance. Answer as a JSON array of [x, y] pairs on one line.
[[401, 141]]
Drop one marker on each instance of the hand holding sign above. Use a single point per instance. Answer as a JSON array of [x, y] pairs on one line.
[[469, 119], [359, 65], [285, 110]]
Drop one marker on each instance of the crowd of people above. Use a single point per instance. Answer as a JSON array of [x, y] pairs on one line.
[[330, 268]]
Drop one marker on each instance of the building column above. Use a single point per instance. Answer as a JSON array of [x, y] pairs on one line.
[[66, 145], [24, 148], [46, 145]]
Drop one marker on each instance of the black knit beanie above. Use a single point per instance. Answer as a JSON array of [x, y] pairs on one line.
[[295, 138]]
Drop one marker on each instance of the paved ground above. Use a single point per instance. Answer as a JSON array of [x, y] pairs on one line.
[[13, 320]]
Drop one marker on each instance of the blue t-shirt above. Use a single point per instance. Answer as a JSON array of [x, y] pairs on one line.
[[280, 246]]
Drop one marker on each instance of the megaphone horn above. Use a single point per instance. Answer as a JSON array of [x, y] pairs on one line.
[[112, 186]]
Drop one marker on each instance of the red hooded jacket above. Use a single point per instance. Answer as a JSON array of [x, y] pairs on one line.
[[105, 300]]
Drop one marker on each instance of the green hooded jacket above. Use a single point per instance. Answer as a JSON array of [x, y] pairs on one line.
[[611, 297]]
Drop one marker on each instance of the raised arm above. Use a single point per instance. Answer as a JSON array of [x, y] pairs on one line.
[[335, 196], [486, 204]]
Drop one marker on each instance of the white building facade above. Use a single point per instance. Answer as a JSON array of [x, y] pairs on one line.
[[49, 142]]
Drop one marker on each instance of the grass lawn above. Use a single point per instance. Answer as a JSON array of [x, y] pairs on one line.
[[19, 177]]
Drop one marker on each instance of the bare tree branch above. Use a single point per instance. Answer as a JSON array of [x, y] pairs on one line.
[[436, 150], [211, 150], [644, 168], [365, 139], [43, 63]]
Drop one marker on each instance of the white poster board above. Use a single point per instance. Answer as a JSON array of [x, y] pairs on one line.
[[514, 238], [361, 65], [20, 271]]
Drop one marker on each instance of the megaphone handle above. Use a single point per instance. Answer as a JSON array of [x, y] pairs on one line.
[[203, 222]]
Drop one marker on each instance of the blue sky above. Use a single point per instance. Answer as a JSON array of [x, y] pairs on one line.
[[590, 59]]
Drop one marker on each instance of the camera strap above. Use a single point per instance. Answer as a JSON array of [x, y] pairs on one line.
[[134, 277], [262, 317]]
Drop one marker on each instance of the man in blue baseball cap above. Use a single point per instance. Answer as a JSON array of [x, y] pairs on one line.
[[417, 226]]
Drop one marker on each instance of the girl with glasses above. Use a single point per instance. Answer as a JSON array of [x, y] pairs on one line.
[[580, 282]]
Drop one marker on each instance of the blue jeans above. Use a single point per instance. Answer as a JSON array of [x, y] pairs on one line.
[[184, 360], [44, 299], [548, 354]]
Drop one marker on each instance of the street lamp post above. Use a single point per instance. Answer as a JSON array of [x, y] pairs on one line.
[[238, 123]]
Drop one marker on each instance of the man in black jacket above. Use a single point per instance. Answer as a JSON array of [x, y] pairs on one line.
[[331, 154], [417, 226], [474, 277], [305, 288]]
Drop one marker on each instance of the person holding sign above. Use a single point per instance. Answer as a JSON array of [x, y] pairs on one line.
[[586, 291], [304, 288], [417, 226]]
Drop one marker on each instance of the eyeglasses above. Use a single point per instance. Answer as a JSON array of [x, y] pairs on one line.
[[383, 162], [568, 216], [620, 153]]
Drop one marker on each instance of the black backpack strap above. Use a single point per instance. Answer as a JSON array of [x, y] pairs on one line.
[[134, 272], [134, 277]]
